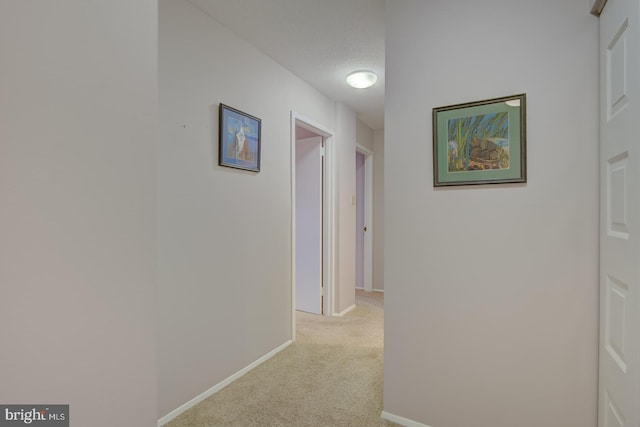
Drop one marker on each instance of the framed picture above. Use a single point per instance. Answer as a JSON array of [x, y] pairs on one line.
[[239, 139], [481, 142]]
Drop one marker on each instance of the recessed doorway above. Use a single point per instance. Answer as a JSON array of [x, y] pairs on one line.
[[364, 218], [313, 216]]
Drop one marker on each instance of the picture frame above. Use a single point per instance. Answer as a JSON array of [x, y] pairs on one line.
[[239, 139], [481, 142]]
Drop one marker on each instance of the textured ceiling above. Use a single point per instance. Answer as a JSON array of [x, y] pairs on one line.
[[320, 41]]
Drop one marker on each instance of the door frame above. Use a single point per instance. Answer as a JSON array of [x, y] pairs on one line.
[[368, 216], [329, 215]]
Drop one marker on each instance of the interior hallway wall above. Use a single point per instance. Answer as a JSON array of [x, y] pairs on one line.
[[364, 135], [224, 235], [378, 210], [346, 206], [78, 118], [498, 283]]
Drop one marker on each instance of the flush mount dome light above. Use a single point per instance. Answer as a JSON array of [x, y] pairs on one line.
[[362, 79]]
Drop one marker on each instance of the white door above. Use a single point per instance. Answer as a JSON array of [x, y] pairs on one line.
[[619, 388], [309, 192]]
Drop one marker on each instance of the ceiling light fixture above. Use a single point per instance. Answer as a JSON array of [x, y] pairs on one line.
[[362, 79]]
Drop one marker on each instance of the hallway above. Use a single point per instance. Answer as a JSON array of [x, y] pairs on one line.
[[330, 376]]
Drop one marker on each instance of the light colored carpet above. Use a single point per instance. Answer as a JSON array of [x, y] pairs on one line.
[[330, 376]]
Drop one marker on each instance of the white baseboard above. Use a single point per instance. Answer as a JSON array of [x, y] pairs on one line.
[[216, 388], [359, 288], [342, 313], [401, 420], [379, 290]]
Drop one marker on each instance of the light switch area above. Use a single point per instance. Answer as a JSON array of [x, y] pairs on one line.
[[353, 200]]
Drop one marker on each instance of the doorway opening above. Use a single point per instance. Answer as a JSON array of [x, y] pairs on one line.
[[364, 218], [313, 217]]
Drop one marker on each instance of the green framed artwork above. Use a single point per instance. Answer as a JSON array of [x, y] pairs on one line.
[[482, 142]]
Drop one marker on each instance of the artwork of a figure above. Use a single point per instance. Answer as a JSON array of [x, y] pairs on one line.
[[242, 149], [239, 139], [239, 145]]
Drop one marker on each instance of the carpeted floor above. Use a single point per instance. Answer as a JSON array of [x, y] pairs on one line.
[[330, 376]]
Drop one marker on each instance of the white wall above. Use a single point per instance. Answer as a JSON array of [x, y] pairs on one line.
[[346, 191], [364, 135], [224, 236], [378, 210], [78, 117], [491, 313]]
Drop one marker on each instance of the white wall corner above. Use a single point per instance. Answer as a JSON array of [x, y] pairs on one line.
[[216, 388], [347, 310]]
